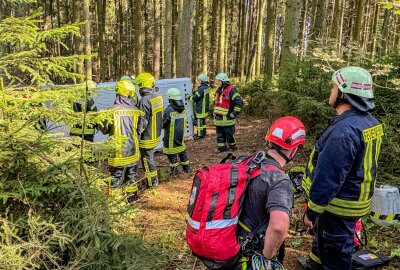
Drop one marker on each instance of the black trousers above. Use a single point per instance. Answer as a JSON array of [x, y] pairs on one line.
[[333, 243], [184, 161], [225, 135], [122, 175]]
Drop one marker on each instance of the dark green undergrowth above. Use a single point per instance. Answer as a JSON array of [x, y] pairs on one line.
[[304, 98]]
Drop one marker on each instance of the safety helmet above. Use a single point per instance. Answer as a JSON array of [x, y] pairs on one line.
[[125, 88], [174, 94], [287, 132], [203, 77], [125, 78], [145, 80], [222, 77], [356, 85]]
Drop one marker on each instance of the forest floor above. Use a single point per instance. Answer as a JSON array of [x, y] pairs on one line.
[[160, 220]]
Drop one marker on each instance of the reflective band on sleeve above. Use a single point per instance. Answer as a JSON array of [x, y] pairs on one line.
[[237, 109], [315, 207], [235, 95], [222, 223]]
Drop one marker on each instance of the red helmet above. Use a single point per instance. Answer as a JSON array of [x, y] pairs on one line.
[[287, 132]]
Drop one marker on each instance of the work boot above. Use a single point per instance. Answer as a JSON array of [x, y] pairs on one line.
[[131, 198], [220, 150], [186, 169], [197, 137], [233, 147], [174, 171], [155, 182], [307, 264], [115, 183]]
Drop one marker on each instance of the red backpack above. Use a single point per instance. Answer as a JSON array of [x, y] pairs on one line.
[[214, 209]]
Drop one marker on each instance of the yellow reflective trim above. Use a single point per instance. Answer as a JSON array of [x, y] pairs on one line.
[[373, 133], [237, 109], [390, 217], [201, 115], [122, 161], [350, 204], [241, 224], [376, 215], [224, 122], [346, 212], [187, 162], [148, 144], [310, 165], [174, 165], [176, 150], [118, 136], [315, 258], [235, 95], [365, 185], [315, 207]]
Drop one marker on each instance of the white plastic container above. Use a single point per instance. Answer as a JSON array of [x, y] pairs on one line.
[[385, 202]]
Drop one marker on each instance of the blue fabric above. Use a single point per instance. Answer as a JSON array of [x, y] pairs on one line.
[[338, 160], [199, 98], [334, 241]]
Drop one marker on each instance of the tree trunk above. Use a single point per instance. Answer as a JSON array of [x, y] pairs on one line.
[[288, 61], [138, 25], [261, 8], [336, 19], [101, 20], [168, 39], [384, 34], [358, 20], [221, 42], [86, 35], [214, 36], [205, 38], [157, 39], [184, 45], [373, 35], [243, 41], [320, 18], [269, 52]]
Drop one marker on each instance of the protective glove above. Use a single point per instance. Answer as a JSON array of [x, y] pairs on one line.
[[232, 116], [259, 262], [188, 97]]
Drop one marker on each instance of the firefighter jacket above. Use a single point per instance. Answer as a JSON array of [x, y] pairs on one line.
[[201, 97], [126, 129], [227, 102], [152, 106], [90, 107], [174, 124], [341, 172]]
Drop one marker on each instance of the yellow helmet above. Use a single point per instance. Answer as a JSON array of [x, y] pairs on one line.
[[145, 80], [125, 88]]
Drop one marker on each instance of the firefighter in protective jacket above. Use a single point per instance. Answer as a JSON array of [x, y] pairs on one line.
[[201, 98], [341, 172], [174, 124], [89, 106], [228, 105], [126, 128], [152, 105]]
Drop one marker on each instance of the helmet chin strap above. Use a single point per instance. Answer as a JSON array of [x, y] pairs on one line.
[[279, 151], [339, 100]]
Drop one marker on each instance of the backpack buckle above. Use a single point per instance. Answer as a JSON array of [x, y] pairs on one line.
[[260, 156]]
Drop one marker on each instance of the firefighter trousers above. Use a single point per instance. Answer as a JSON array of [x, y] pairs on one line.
[[124, 175], [174, 163], [225, 135], [333, 243], [201, 127], [150, 168]]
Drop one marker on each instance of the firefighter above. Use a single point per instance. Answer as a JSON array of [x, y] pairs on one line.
[[126, 128], [201, 97], [174, 124], [269, 197], [228, 105], [152, 105], [341, 172], [90, 130]]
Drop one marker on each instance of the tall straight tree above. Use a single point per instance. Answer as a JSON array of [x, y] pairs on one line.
[[288, 63], [320, 18], [101, 20], [221, 41], [184, 44], [261, 8], [358, 20], [269, 53], [168, 39], [204, 37], [157, 39], [138, 24], [86, 34]]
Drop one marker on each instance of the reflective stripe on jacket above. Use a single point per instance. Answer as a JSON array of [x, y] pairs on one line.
[[174, 124], [201, 97], [227, 102], [341, 172], [126, 128], [152, 106]]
